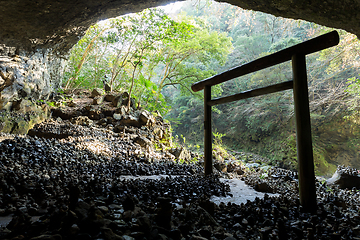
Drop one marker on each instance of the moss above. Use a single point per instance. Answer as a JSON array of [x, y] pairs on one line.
[[20, 123]]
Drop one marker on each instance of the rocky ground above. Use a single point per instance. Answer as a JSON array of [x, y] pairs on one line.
[[72, 177]]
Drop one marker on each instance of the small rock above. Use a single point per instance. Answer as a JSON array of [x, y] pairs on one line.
[[104, 209], [146, 119], [107, 87], [129, 120], [98, 100], [181, 153], [263, 187], [72, 104], [47, 237], [142, 141], [194, 237], [126, 237], [117, 116]]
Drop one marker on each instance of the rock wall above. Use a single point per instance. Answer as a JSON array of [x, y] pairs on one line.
[[31, 76]]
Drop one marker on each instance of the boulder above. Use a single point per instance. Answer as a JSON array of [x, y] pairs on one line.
[[132, 102], [65, 113], [235, 167], [17, 122], [158, 132], [98, 100], [263, 187], [121, 110], [181, 153], [220, 166], [142, 141], [146, 119], [345, 179], [130, 120], [23, 106], [97, 92], [117, 116], [117, 101], [111, 96]]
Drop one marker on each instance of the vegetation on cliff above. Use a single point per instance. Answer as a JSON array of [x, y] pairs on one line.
[[156, 58]]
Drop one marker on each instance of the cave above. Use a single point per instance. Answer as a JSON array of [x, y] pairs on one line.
[[35, 38]]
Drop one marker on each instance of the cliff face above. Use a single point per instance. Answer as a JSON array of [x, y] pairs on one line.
[[30, 76], [38, 32], [27, 24]]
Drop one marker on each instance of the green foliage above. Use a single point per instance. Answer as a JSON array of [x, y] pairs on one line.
[[265, 125], [353, 89], [157, 58], [220, 151], [145, 54]]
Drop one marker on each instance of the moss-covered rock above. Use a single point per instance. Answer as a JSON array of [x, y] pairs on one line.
[[20, 121]]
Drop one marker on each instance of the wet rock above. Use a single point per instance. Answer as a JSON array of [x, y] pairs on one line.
[[74, 229], [110, 235], [126, 237], [194, 237]]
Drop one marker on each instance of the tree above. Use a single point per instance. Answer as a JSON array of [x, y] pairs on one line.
[[187, 61], [81, 51], [149, 46]]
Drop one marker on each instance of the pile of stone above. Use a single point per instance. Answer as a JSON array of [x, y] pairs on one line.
[[81, 175]]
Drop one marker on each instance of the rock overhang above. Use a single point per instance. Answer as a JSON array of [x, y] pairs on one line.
[[29, 25]]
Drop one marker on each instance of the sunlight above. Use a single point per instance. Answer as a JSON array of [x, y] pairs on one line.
[[172, 7]]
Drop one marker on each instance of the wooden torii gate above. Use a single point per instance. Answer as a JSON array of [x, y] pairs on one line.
[[297, 54]]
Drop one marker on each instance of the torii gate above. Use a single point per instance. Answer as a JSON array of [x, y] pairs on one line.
[[296, 54]]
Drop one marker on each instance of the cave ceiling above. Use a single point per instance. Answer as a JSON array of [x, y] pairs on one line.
[[33, 24]]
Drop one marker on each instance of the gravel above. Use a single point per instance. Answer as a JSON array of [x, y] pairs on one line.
[[92, 183]]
